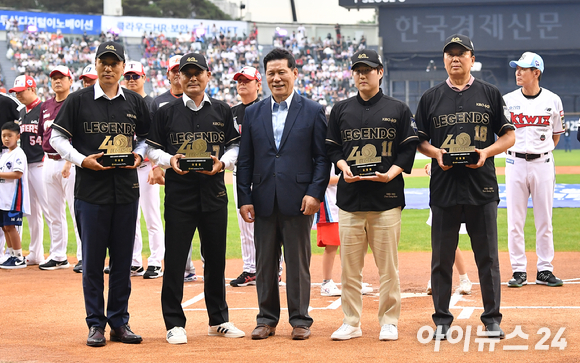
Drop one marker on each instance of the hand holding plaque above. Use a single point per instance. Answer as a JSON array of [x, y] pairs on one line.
[[461, 152], [366, 162], [118, 151], [196, 158]]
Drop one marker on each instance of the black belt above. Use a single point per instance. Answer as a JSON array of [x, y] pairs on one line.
[[528, 157]]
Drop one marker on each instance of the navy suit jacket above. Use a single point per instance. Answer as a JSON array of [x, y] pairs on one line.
[[299, 167]]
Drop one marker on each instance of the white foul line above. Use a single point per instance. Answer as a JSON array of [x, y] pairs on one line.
[[192, 301]]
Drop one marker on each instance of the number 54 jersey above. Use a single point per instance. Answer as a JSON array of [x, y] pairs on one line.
[[380, 131], [448, 118]]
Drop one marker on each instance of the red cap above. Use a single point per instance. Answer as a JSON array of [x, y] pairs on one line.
[[174, 62], [62, 70], [134, 67], [250, 73], [23, 82]]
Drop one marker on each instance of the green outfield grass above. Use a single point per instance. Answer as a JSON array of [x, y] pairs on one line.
[[415, 234]]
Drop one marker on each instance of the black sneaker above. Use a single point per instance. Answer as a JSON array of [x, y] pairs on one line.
[[78, 267], [245, 279], [153, 272], [519, 279], [548, 278], [54, 265], [137, 271]]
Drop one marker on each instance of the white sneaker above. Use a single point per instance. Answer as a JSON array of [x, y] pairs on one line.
[[226, 329], [329, 289], [346, 332], [366, 289], [429, 291], [389, 332], [464, 287], [176, 335]]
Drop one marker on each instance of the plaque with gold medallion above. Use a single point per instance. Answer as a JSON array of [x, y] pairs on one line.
[[460, 151], [118, 151], [365, 161], [196, 158]]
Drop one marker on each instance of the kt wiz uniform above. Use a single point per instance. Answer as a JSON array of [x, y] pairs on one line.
[[106, 201], [370, 212], [194, 201], [461, 193], [31, 144], [530, 171]]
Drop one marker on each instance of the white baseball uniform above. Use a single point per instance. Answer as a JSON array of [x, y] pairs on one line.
[[149, 202], [59, 191], [38, 206], [536, 120]]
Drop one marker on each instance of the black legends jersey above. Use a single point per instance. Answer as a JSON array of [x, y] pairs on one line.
[[102, 125], [470, 118], [176, 126], [378, 130]]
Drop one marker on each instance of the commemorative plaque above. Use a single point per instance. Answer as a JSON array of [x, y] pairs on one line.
[[462, 152], [196, 158], [367, 162], [117, 151]]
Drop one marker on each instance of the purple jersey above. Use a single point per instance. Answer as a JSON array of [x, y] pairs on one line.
[[48, 112]]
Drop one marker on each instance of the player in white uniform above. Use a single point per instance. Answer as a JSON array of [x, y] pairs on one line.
[[538, 117], [149, 199], [59, 177]]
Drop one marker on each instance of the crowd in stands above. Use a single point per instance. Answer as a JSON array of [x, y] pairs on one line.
[[323, 64], [36, 53]]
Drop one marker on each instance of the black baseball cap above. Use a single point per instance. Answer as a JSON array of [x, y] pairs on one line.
[[195, 59], [460, 39], [366, 56], [111, 47]]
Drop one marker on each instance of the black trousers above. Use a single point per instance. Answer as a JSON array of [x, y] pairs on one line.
[[102, 227], [481, 223], [180, 227], [292, 232]]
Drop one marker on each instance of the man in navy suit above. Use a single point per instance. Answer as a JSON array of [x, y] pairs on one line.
[[283, 172]]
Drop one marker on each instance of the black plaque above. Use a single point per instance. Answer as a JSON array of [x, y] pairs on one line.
[[117, 160], [196, 164], [459, 158], [365, 169]]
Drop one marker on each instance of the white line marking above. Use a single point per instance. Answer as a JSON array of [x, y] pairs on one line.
[[192, 301], [334, 305], [466, 313]]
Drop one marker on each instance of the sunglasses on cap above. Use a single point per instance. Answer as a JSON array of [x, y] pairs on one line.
[[133, 77]]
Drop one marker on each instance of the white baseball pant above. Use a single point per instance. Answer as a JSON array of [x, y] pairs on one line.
[[149, 203], [524, 178], [38, 206], [59, 192]]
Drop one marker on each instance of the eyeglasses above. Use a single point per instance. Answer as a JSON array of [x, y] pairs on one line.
[[132, 77]]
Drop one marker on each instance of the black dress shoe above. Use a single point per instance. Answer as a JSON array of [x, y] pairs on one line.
[[96, 337], [441, 332], [124, 334], [495, 331]]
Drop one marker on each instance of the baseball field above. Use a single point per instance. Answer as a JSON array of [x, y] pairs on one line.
[[43, 311]]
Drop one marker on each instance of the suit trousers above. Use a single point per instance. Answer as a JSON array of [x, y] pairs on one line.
[[481, 223], [292, 232], [102, 227], [180, 227], [381, 231]]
